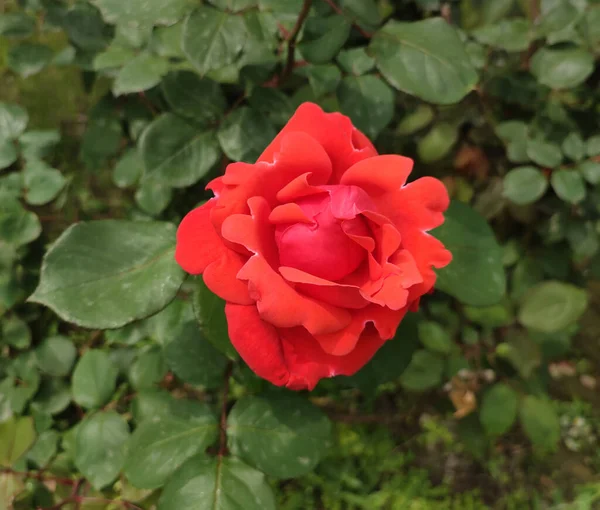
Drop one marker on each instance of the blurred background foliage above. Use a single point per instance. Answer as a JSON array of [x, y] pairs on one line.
[[124, 109]]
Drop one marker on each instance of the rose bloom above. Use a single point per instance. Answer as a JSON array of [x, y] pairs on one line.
[[319, 249]]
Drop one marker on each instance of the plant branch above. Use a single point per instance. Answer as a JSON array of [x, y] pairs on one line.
[[223, 422], [293, 37]]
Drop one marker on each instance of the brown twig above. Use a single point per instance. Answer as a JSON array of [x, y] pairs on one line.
[[291, 41], [223, 422], [40, 476]]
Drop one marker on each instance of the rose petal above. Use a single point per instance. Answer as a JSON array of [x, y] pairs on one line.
[[221, 278], [288, 213], [379, 174], [333, 131]]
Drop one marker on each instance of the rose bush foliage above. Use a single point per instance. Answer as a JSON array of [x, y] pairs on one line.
[[319, 248]]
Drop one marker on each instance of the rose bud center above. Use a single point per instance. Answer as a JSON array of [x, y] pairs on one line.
[[321, 248]]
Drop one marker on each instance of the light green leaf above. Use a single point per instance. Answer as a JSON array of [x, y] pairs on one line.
[[562, 68], [42, 182], [544, 153], [368, 101], [524, 185], [418, 119], [356, 61], [100, 447], [142, 73], [153, 197], [17, 225], [37, 144], [552, 306], [17, 435], [284, 436], [15, 333], [160, 445], [114, 56], [476, 275], [568, 185], [590, 171], [94, 379], [143, 12], [16, 25], [574, 147], [433, 336], [44, 448], [511, 35], [13, 121], [498, 409], [424, 58], [438, 142], [8, 153], [176, 153], [55, 355], [540, 422], [105, 274], [212, 39], [226, 480], [592, 144], [128, 169], [424, 371]]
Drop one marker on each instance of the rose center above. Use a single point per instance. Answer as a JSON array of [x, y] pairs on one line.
[[321, 248]]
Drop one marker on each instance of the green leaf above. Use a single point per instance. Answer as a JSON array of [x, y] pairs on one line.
[[356, 61], [368, 101], [8, 153], [209, 310], [13, 121], [212, 39], [15, 332], [592, 144], [94, 379], [147, 370], [590, 171], [105, 274], [23, 382], [568, 185], [498, 409], [160, 445], [284, 436], [17, 226], [524, 185], [176, 153], [424, 58], [223, 483], [16, 25], [128, 169], [323, 78], [44, 449], [17, 435], [193, 359], [552, 306], [555, 16], [200, 99], [476, 275], [85, 27], [113, 57], [234, 5], [272, 103], [433, 336], [511, 35], [37, 144], [53, 397], [544, 153], [143, 12], [55, 355], [323, 38], [495, 10], [562, 68], [245, 134], [153, 197], [100, 447], [142, 73], [28, 59], [42, 183], [416, 120], [493, 316], [438, 142], [424, 371], [166, 41], [162, 325], [152, 405], [540, 422], [574, 147]]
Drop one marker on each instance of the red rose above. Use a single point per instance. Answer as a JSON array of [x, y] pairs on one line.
[[319, 248]]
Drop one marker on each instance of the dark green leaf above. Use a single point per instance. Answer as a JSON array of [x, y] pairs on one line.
[[44, 448], [142, 73], [114, 56], [476, 275], [38, 144], [53, 397], [244, 134], [15, 333], [424, 371], [574, 147], [8, 153], [511, 35], [17, 225], [128, 169], [438, 142], [148, 369], [356, 61], [323, 38], [193, 358], [368, 101], [16, 24], [590, 171], [94, 379], [105, 274], [42, 183], [13, 121], [540, 422], [143, 12], [153, 197], [544, 153], [424, 58], [222, 483], [433, 336], [176, 153], [418, 119], [28, 59], [592, 144], [283, 436]]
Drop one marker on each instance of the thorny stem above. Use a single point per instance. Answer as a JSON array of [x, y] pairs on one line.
[[223, 423], [287, 70]]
